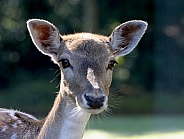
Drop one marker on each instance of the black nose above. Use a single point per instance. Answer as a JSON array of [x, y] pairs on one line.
[[94, 103]]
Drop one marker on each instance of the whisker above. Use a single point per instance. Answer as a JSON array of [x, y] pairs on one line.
[[95, 117], [99, 119], [104, 116], [92, 118], [56, 70], [117, 90], [107, 113], [55, 77], [114, 103]]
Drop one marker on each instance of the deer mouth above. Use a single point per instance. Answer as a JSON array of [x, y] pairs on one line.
[[94, 111]]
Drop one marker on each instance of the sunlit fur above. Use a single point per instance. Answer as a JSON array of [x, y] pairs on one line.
[[88, 74]]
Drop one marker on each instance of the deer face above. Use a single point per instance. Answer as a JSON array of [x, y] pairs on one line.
[[86, 67], [86, 60]]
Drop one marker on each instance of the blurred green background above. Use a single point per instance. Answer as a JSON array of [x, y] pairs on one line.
[[149, 81]]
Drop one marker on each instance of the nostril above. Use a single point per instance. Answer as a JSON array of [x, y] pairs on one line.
[[102, 99], [88, 98]]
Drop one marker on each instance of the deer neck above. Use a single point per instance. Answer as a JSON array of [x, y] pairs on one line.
[[65, 120]]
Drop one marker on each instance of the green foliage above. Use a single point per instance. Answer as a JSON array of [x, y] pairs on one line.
[[24, 75], [34, 95]]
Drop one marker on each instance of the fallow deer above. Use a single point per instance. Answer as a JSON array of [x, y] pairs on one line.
[[86, 62]]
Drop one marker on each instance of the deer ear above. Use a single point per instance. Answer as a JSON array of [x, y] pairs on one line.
[[45, 36], [126, 36]]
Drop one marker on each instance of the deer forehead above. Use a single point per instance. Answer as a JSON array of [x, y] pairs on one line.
[[86, 47]]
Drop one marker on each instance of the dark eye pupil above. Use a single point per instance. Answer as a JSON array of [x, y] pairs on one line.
[[111, 64], [65, 63]]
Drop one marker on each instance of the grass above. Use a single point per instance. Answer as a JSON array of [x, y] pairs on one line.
[[136, 127], [97, 134]]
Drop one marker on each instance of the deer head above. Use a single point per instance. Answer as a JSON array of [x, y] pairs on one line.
[[86, 60]]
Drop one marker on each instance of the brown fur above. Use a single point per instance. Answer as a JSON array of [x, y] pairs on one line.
[[18, 125], [89, 56]]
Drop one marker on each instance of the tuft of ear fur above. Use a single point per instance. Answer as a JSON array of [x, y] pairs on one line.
[[45, 36], [126, 36]]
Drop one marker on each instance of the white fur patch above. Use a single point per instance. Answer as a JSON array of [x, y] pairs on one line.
[[4, 128], [19, 122], [75, 120], [92, 79], [14, 125], [14, 136], [11, 113]]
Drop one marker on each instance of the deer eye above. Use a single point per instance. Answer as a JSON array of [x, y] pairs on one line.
[[111, 64], [65, 63]]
